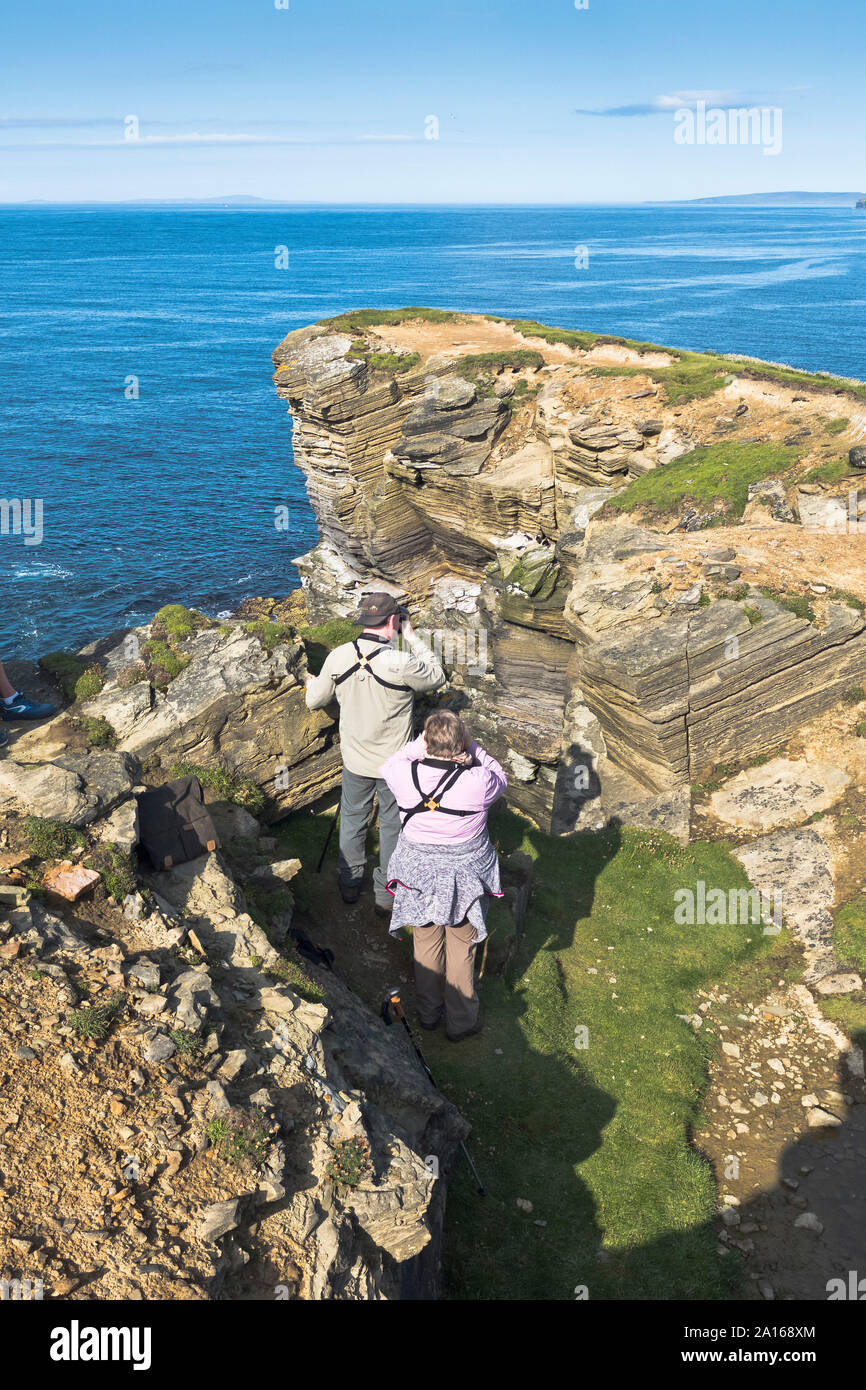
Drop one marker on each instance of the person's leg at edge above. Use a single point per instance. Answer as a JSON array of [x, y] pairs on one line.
[[15, 706], [429, 948], [461, 1001], [389, 833], [356, 803]]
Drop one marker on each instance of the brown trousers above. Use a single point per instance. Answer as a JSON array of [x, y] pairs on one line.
[[445, 976]]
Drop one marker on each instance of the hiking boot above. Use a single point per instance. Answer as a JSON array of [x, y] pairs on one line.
[[350, 892], [383, 912], [469, 1033], [431, 1027], [22, 708]]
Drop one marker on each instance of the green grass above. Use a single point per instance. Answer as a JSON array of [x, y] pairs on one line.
[[227, 785], [386, 361], [163, 662], [98, 732], [170, 625], [320, 640], [849, 942], [94, 1020], [49, 839], [790, 376], [596, 1138], [695, 373], [850, 600], [187, 1044], [238, 1136], [572, 337], [720, 775], [267, 903], [832, 472], [175, 621], [288, 971], [854, 695], [78, 679], [692, 375], [515, 358], [837, 426], [271, 635], [849, 934], [754, 615], [357, 320], [798, 604], [849, 1013], [707, 475], [117, 869]]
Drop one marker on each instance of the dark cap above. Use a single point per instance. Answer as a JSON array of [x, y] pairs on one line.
[[375, 609]]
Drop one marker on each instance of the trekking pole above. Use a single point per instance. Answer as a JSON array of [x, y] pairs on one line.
[[392, 1001], [330, 836]]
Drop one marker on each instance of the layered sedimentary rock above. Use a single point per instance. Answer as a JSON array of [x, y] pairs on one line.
[[234, 705], [474, 469]]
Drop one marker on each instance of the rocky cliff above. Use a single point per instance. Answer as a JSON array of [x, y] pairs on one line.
[[644, 570], [638, 563], [191, 1109]]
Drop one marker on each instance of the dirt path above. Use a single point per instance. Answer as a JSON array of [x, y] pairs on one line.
[[786, 1134], [366, 956]]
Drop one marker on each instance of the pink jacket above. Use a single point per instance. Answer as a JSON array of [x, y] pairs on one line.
[[475, 790]]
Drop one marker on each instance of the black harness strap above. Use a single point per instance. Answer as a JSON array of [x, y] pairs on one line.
[[432, 801], [363, 664]]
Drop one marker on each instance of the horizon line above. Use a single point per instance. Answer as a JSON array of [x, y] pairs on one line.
[[259, 204]]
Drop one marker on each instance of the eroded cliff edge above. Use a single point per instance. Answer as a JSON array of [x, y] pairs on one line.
[[192, 1109], [642, 563]]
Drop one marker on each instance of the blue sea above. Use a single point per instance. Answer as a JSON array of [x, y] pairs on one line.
[[135, 373]]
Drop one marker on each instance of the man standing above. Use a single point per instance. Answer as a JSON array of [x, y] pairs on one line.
[[375, 683]]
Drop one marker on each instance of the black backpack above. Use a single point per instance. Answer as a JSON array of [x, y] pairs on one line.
[[174, 824]]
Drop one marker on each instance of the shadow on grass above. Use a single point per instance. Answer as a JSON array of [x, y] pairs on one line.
[[590, 1129], [593, 1129]]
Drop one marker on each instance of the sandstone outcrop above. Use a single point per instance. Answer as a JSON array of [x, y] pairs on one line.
[[234, 706], [610, 653]]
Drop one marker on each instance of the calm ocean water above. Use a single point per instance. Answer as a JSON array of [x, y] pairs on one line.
[[172, 496]]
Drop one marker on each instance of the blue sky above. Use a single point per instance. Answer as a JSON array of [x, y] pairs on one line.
[[330, 100]]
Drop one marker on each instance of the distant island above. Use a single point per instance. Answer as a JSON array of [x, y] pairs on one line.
[[791, 199]]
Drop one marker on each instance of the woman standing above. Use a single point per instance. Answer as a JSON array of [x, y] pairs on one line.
[[444, 868]]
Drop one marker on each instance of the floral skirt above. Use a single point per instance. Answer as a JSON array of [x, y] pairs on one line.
[[443, 884]]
